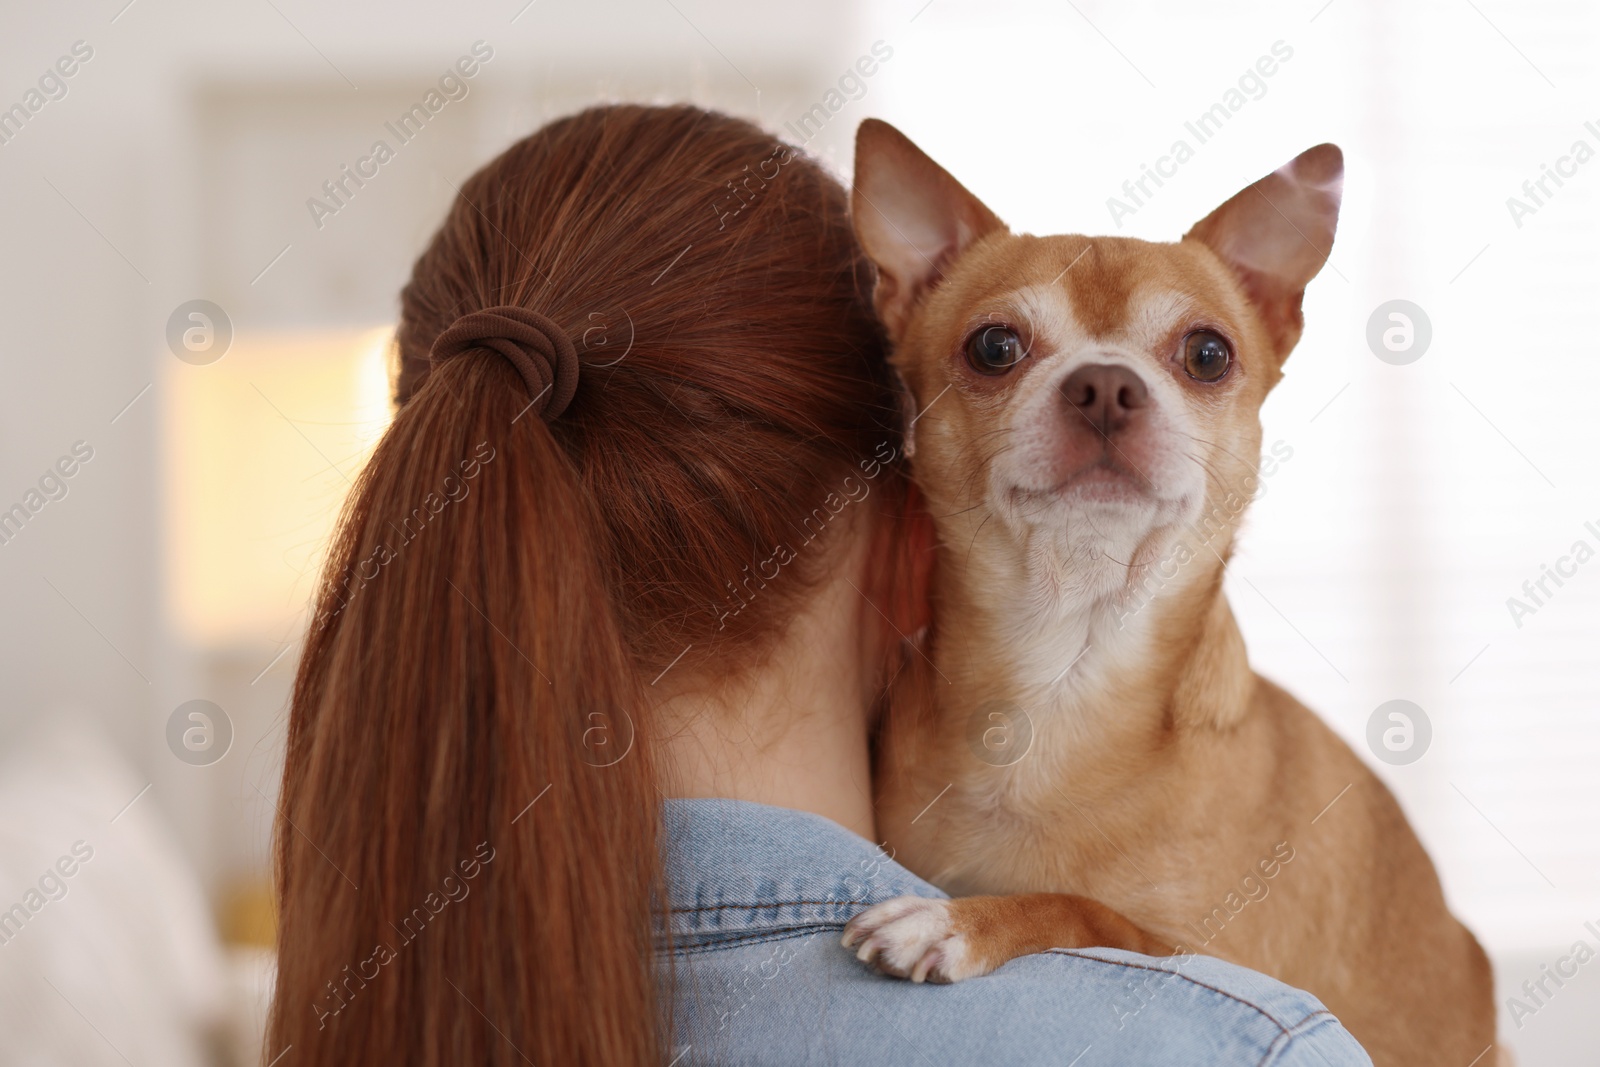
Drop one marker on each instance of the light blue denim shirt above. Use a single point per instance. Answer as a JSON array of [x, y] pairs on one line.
[[760, 896]]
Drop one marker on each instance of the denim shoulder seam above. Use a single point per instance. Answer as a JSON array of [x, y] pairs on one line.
[[768, 905], [1187, 978], [1281, 1042], [787, 933]]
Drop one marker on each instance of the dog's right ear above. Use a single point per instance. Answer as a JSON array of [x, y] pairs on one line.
[[912, 219]]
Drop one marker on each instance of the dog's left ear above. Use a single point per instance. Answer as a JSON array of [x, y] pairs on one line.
[[1277, 234], [912, 219]]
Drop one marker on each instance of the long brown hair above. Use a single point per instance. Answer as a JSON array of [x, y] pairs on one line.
[[466, 845]]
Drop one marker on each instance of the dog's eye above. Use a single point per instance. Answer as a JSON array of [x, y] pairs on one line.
[[995, 350], [1205, 356]]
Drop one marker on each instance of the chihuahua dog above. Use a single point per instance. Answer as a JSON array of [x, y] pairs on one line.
[[1087, 744]]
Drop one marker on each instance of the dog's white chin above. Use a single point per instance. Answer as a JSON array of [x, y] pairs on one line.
[[1117, 501], [1096, 493], [1085, 523], [1109, 494], [1097, 528]]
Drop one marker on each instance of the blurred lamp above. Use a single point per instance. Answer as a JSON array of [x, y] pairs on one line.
[[261, 448]]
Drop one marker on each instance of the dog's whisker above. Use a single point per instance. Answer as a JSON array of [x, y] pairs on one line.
[[1220, 448]]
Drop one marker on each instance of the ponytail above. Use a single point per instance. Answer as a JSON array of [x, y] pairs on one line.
[[466, 845], [467, 830]]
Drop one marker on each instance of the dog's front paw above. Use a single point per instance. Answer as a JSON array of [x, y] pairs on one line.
[[915, 938]]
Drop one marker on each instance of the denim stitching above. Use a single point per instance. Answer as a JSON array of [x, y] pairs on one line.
[[787, 933], [1193, 981], [1281, 1042], [765, 907]]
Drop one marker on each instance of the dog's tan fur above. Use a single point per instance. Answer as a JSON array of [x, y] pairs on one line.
[[1162, 772]]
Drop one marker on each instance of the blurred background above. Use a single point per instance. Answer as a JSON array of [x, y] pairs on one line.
[[199, 273]]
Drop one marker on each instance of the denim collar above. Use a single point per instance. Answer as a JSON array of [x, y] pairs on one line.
[[738, 870]]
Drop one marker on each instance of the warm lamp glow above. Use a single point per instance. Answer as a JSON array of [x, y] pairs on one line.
[[261, 449]]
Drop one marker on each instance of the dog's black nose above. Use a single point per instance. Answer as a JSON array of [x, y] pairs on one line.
[[1106, 394]]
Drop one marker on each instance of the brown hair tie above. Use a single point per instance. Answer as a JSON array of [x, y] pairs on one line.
[[540, 350]]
